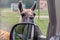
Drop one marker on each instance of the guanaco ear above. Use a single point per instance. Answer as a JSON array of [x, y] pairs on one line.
[[34, 6], [20, 6]]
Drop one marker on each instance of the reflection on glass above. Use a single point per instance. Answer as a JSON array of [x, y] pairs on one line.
[[22, 32]]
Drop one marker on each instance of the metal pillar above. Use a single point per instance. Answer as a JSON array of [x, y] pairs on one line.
[[52, 19], [57, 6]]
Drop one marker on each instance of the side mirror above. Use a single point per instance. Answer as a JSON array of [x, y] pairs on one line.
[[22, 31]]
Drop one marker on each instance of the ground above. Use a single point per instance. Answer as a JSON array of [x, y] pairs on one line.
[[9, 18]]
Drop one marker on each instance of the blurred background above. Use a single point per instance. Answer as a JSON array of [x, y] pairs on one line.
[[9, 14]]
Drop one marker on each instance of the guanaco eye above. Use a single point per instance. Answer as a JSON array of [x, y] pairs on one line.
[[23, 14], [34, 14]]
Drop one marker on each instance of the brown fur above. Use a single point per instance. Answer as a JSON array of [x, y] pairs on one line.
[[27, 10], [28, 13], [4, 35]]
